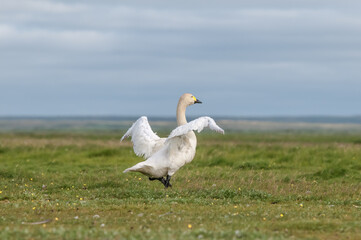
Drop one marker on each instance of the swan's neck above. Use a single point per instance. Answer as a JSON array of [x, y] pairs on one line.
[[181, 113]]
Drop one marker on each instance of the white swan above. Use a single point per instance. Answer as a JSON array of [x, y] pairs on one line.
[[164, 156]]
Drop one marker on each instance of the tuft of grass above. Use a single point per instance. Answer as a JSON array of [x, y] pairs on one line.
[[218, 161], [6, 174], [103, 153], [3, 150], [329, 173], [255, 165]]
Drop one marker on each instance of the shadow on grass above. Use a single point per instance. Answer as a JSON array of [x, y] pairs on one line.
[[6, 174], [257, 165], [327, 173], [104, 153]]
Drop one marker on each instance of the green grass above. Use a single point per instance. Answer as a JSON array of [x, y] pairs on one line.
[[239, 186]]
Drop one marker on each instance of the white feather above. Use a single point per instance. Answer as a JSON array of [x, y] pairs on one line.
[[145, 141], [196, 125]]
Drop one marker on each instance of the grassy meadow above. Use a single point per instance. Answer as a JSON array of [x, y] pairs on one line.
[[62, 184]]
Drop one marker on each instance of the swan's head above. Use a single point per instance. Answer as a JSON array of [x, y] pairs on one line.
[[189, 99]]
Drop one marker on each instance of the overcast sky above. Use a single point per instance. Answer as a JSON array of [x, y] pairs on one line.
[[241, 58]]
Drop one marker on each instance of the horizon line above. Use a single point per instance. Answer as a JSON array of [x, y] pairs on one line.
[[166, 116]]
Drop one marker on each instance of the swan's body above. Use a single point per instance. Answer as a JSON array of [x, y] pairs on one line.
[[164, 156]]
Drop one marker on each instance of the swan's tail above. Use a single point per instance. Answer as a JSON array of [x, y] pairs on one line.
[[135, 168], [131, 169]]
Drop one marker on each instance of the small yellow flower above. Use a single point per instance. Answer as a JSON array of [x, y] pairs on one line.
[[166, 195], [301, 205], [81, 199], [235, 206], [44, 225], [84, 184], [239, 189], [31, 179], [52, 183], [34, 208], [281, 215], [264, 219], [189, 226], [56, 219], [72, 186], [1, 192], [57, 204], [6, 187], [126, 179]]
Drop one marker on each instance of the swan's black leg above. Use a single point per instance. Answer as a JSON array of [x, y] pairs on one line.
[[161, 179], [167, 182], [152, 179]]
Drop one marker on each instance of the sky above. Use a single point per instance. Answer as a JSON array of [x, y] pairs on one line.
[[240, 58]]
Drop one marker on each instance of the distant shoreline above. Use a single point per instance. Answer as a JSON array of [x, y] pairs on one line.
[[285, 119], [230, 124]]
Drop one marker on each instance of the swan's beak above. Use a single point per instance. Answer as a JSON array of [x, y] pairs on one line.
[[198, 101]]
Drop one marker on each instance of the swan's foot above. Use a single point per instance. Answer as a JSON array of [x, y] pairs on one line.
[[161, 179], [167, 182], [152, 179]]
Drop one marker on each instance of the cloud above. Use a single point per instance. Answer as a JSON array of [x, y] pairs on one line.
[[76, 40], [39, 6], [268, 54]]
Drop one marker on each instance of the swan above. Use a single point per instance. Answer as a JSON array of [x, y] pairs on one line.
[[165, 156]]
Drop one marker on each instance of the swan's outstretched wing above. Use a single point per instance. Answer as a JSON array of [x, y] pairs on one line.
[[196, 125], [145, 141]]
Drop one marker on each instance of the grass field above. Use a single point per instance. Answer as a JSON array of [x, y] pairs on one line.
[[256, 185]]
